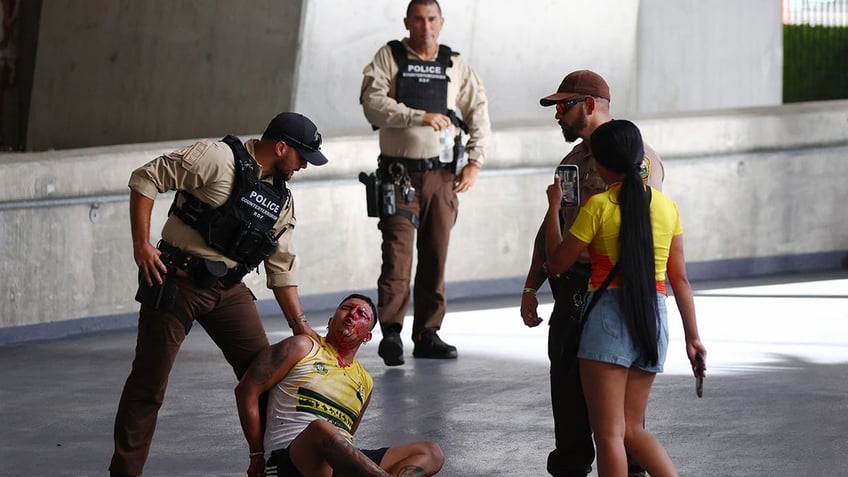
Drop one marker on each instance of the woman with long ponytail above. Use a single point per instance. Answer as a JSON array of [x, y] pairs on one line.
[[633, 235], [620, 149]]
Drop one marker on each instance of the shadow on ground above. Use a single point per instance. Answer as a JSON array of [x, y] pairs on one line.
[[490, 413]]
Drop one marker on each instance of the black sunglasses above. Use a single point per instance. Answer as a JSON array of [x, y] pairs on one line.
[[563, 106], [314, 146]]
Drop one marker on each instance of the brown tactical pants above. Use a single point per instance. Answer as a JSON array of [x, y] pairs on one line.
[[436, 206], [229, 317]]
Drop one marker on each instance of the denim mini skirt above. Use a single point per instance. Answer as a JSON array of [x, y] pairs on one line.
[[606, 336]]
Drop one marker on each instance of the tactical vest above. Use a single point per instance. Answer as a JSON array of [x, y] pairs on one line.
[[422, 84], [242, 228]]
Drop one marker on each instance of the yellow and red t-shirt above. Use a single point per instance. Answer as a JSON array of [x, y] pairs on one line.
[[598, 224]]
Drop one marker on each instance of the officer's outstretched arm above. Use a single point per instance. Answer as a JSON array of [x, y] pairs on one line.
[[145, 254], [289, 303]]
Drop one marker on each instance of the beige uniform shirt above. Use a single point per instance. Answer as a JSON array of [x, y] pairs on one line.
[[401, 132], [206, 170]]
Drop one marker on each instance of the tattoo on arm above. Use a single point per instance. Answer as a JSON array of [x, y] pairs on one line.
[[270, 360]]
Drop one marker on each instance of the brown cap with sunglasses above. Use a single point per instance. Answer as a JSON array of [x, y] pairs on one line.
[[299, 132], [578, 82]]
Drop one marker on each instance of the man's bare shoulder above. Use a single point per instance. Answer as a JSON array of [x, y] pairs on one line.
[[294, 347]]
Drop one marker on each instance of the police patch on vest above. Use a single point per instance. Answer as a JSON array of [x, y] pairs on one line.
[[422, 84], [423, 71], [243, 227], [262, 206]]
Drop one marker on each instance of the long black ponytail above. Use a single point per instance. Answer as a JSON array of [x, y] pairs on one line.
[[617, 145]]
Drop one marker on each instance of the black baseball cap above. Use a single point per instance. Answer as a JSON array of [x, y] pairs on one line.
[[299, 132]]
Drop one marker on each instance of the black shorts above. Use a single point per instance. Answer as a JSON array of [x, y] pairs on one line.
[[280, 464]]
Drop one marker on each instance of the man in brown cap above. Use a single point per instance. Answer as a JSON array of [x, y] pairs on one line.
[[582, 104], [232, 211]]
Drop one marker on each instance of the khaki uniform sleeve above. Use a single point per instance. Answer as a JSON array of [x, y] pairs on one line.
[[183, 169], [473, 106], [656, 171], [377, 94], [281, 266]]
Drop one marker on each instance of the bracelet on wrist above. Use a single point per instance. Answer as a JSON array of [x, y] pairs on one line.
[[257, 454], [529, 290], [300, 319]]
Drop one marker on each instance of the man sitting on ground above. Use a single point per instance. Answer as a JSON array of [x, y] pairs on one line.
[[317, 394]]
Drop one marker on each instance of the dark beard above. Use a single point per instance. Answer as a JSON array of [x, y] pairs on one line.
[[570, 135], [570, 132]]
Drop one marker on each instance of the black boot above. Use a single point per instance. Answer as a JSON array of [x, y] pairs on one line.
[[391, 346], [429, 345]]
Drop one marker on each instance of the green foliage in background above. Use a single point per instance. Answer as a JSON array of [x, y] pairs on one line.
[[815, 63]]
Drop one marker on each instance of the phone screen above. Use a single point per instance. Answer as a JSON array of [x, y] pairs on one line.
[[569, 181]]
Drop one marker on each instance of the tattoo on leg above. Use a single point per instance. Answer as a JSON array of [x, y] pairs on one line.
[[411, 471], [344, 457]]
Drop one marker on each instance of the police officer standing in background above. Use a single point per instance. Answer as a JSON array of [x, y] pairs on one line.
[[413, 91], [232, 211], [582, 104]]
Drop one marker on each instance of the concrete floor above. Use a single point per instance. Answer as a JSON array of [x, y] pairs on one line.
[[775, 400]]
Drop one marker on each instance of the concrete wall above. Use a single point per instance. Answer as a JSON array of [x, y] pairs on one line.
[[124, 71], [749, 184], [659, 56], [695, 55], [748, 181], [521, 53]]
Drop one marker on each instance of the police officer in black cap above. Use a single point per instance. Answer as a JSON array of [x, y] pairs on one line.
[[232, 211]]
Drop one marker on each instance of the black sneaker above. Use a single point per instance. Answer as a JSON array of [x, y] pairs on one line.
[[391, 348], [429, 345]]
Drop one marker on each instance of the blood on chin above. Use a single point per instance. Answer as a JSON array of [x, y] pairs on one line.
[[349, 334]]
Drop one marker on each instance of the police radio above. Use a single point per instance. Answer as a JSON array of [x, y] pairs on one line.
[[388, 199]]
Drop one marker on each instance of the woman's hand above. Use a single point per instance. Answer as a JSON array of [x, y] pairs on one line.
[[697, 354], [554, 195]]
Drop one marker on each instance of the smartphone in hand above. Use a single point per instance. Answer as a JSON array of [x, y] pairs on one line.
[[700, 367], [569, 182]]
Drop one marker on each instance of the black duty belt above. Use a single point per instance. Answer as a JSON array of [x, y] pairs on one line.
[[204, 272], [414, 165]]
